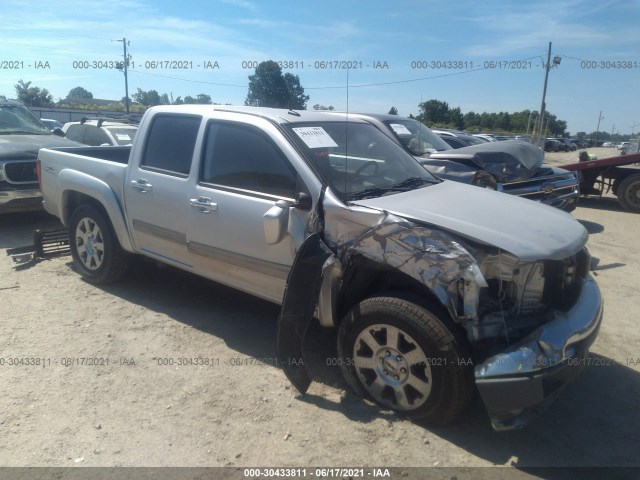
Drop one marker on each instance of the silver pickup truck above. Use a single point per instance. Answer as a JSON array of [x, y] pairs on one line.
[[433, 292]]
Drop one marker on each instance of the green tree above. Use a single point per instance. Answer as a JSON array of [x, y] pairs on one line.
[[33, 96], [79, 92], [486, 120], [317, 106], [434, 111], [393, 111], [471, 120], [503, 121], [295, 92], [203, 98], [269, 88], [149, 99], [456, 118]]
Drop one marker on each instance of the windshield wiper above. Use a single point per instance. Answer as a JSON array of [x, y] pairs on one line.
[[404, 186]]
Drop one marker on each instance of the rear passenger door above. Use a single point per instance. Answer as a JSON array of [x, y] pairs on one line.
[[157, 188], [242, 174]]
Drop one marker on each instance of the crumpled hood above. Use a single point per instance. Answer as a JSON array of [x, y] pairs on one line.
[[508, 161], [527, 229], [26, 146]]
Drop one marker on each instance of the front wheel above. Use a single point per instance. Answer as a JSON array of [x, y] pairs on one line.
[[405, 358], [95, 249], [629, 193]]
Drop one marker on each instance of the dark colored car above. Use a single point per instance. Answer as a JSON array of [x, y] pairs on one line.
[[22, 135], [553, 145], [458, 140], [567, 145], [513, 166]]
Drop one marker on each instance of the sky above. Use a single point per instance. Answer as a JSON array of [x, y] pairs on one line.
[[361, 56]]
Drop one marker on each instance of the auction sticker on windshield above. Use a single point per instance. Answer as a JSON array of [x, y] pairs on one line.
[[315, 137], [400, 129]]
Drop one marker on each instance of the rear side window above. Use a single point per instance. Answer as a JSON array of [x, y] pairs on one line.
[[242, 157], [75, 133], [95, 136], [170, 144]]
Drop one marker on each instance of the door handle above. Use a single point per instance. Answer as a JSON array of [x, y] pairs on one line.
[[141, 185], [203, 204]]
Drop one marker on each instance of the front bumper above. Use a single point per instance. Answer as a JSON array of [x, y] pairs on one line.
[[520, 382], [560, 191], [28, 199]]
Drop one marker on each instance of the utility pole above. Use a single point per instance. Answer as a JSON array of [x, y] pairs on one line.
[[556, 62], [544, 94], [600, 117], [125, 66]]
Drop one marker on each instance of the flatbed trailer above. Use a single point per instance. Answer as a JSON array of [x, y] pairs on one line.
[[619, 175]]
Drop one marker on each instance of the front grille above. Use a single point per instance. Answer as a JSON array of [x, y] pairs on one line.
[[563, 278], [20, 172]]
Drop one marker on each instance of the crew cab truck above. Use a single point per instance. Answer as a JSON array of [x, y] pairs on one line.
[[433, 292]]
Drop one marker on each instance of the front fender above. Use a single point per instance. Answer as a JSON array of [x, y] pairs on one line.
[[74, 181], [299, 302]]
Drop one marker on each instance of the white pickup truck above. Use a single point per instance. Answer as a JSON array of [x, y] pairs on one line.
[[436, 287]]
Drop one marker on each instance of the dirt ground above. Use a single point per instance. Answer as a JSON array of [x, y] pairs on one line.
[[129, 406]]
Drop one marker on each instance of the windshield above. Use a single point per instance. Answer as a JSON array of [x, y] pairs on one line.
[[122, 135], [358, 161], [414, 135], [16, 119]]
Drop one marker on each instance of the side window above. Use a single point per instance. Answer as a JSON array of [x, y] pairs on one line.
[[95, 136], [75, 133], [242, 157], [170, 143]]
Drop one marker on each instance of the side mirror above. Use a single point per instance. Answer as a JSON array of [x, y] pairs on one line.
[[276, 222], [303, 201], [58, 131]]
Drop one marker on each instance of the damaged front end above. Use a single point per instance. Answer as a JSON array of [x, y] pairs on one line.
[[529, 322], [533, 333]]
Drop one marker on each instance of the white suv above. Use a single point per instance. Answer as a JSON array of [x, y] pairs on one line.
[[100, 132]]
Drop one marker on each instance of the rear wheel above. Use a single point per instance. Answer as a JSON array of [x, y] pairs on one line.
[[629, 193], [94, 246], [403, 357]]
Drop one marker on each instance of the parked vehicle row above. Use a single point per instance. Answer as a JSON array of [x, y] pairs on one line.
[[514, 166], [432, 291]]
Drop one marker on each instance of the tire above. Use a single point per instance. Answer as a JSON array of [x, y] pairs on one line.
[[95, 249], [629, 193], [405, 358]]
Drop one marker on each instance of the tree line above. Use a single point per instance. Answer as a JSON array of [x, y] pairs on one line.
[[438, 114], [269, 87]]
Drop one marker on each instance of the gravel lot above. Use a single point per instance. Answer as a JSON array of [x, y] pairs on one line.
[[131, 408]]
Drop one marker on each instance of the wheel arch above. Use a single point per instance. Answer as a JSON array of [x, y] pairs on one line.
[[365, 278], [81, 189]]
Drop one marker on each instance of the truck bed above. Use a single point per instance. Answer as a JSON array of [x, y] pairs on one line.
[[105, 163], [112, 154]]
